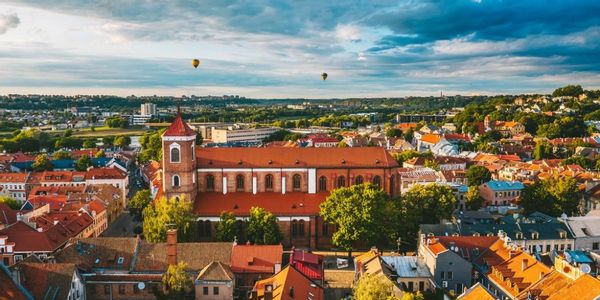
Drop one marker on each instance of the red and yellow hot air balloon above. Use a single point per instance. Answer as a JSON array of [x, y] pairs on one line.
[[195, 62]]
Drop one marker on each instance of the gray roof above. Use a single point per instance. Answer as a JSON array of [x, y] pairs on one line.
[[407, 266], [585, 226], [546, 231]]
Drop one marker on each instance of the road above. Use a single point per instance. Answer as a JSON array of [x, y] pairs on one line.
[[122, 226]]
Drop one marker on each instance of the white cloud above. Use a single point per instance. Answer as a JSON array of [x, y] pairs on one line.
[[348, 33], [8, 21]]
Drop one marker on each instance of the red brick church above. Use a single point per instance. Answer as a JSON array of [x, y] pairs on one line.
[[289, 182]]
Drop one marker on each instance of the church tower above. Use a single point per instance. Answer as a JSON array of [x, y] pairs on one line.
[[179, 160]]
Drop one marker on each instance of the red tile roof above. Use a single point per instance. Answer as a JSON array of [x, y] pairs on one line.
[[27, 239], [289, 204], [179, 128], [105, 173], [56, 201], [7, 214], [8, 289], [255, 258], [371, 157], [13, 177], [42, 279]]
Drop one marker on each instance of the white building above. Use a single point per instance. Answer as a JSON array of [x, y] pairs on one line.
[[148, 109], [586, 231], [228, 135]]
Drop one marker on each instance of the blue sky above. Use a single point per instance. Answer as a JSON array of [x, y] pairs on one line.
[[276, 48]]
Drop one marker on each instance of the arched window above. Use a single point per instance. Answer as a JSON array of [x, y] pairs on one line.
[[175, 157], [322, 183], [210, 183], [269, 182], [204, 228], [392, 184], [359, 180], [341, 181], [193, 152], [296, 182], [301, 228], [175, 181], [294, 227], [377, 181], [325, 229], [239, 183]]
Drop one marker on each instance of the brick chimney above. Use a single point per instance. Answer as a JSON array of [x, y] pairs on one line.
[[172, 246]]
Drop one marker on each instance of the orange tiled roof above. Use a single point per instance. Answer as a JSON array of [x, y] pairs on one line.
[[27, 239], [476, 292], [585, 287], [105, 173], [371, 157], [13, 177], [431, 138], [255, 258], [287, 280], [512, 278], [8, 289]]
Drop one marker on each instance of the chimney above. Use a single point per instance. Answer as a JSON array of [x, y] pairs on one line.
[[254, 295], [172, 246], [268, 292], [524, 264], [511, 254]]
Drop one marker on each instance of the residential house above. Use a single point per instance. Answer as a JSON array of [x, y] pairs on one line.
[[13, 185], [412, 177], [309, 264], [586, 230], [10, 288], [371, 263], [215, 282], [50, 280], [287, 284], [477, 292], [411, 273], [497, 192], [250, 263], [20, 240]]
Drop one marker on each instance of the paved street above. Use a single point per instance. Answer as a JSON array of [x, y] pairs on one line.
[[122, 226]]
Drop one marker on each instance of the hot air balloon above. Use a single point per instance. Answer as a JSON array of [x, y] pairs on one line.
[[324, 76], [195, 63]]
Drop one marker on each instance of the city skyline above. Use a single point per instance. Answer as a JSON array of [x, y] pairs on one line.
[[273, 49]]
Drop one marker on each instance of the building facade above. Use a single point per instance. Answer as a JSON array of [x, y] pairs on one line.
[[289, 182]]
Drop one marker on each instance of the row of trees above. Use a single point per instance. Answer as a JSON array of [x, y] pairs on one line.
[[33, 140]]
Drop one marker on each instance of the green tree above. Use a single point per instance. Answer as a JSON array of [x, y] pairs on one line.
[[393, 132], [89, 143], [122, 141], [342, 144], [413, 296], [168, 211], [552, 196], [116, 122], [151, 146], [199, 139], [543, 150], [227, 229], [373, 287], [83, 163], [176, 281], [263, 228], [61, 155], [474, 201], [569, 90], [100, 154], [11, 202], [477, 175], [359, 212], [431, 163], [42, 163], [108, 141], [426, 204], [140, 200], [409, 134]]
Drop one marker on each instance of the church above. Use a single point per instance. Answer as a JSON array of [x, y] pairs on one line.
[[288, 182]]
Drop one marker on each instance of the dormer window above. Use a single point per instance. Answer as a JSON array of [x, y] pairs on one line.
[[519, 235], [563, 234], [535, 235]]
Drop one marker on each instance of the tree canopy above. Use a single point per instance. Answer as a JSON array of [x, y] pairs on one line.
[[477, 175], [227, 229], [11, 202], [164, 212], [373, 287], [176, 281], [83, 163], [360, 213], [42, 163], [552, 196], [140, 200], [263, 228]]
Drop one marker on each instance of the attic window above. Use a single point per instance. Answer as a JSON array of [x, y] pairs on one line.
[[120, 260], [343, 161], [535, 235], [210, 162], [292, 292], [235, 206], [377, 161], [270, 162], [297, 162], [240, 162]]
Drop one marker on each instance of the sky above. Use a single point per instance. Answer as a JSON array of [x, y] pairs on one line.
[[279, 48]]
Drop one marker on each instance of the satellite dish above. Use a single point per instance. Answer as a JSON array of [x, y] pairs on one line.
[[563, 216], [538, 248], [585, 268], [568, 257], [141, 285]]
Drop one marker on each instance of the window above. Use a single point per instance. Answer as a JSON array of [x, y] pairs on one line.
[[322, 183], [421, 286], [595, 246], [136, 289], [296, 182], [175, 155], [358, 180], [205, 290], [411, 286], [294, 227], [239, 183], [341, 181], [325, 229], [107, 289], [210, 183], [377, 181], [442, 275], [301, 228], [269, 182], [450, 275], [193, 152], [392, 184], [459, 288], [176, 180], [121, 289], [215, 290]]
